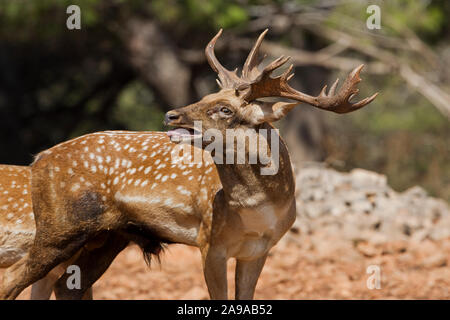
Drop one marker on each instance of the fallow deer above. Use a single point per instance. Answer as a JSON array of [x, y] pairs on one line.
[[17, 227], [125, 183]]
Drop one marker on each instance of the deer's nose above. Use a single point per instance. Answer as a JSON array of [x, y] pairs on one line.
[[171, 116]]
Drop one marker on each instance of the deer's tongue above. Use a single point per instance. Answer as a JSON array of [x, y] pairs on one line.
[[179, 132], [182, 132]]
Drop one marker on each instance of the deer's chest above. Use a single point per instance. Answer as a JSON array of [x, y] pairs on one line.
[[260, 220], [260, 230]]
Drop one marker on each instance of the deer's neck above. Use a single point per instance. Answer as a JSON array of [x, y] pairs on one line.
[[252, 185]]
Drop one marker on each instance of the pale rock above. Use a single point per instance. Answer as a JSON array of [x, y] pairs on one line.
[[360, 205]]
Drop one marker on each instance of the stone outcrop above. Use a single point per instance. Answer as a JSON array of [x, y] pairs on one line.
[[360, 206]]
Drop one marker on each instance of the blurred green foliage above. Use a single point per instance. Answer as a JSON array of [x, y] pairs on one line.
[[420, 16], [200, 13], [132, 109]]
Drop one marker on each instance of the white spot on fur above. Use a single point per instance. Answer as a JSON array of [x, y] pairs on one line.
[[183, 190]]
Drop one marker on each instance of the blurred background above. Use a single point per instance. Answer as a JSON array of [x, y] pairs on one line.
[[133, 60]]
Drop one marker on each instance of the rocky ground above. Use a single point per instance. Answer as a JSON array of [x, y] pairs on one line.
[[350, 227], [293, 271]]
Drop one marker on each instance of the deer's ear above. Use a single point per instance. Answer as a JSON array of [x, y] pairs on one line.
[[260, 112]]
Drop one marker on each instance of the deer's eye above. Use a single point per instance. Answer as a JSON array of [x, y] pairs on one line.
[[225, 111]]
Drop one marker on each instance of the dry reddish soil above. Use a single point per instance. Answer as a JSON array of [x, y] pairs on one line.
[[307, 270]]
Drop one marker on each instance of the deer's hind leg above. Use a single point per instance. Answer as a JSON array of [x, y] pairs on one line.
[[93, 264], [42, 289]]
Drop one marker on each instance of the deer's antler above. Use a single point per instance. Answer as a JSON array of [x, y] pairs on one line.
[[254, 84], [227, 78]]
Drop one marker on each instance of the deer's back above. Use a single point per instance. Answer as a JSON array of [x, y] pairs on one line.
[[98, 178]]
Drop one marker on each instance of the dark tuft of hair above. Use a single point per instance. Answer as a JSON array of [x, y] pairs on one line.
[[151, 244], [152, 250]]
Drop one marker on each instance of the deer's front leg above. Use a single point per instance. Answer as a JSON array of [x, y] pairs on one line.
[[246, 277], [214, 253], [215, 271]]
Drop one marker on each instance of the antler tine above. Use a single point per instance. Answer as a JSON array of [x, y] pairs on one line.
[[333, 87], [252, 60], [228, 79], [340, 103], [275, 64], [271, 67]]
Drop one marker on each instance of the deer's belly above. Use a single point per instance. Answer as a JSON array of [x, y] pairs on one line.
[[177, 232], [171, 220]]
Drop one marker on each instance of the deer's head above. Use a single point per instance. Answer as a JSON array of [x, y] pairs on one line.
[[236, 105]]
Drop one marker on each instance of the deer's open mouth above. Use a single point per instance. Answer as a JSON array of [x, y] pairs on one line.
[[183, 134]]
